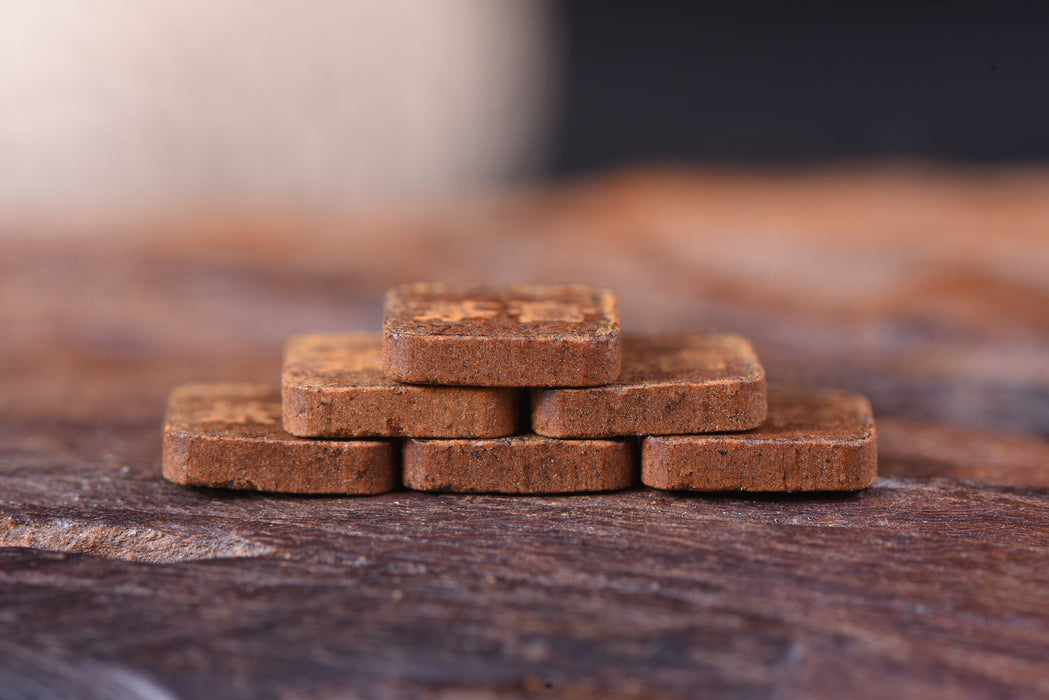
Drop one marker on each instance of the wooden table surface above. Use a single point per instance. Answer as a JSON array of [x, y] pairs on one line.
[[925, 289]]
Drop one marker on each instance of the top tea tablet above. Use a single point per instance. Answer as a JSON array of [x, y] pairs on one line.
[[516, 335]]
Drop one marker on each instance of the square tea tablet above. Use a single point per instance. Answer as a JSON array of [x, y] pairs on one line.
[[519, 335], [230, 436]]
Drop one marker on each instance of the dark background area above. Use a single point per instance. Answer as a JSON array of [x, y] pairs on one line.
[[673, 80]]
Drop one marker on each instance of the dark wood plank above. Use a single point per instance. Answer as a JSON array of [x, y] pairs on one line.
[[924, 290]]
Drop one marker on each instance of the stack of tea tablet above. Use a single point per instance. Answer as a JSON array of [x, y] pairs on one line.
[[519, 389]]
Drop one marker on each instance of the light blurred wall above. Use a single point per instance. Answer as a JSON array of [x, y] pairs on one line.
[[114, 104]]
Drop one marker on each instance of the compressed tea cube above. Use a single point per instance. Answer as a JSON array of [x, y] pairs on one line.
[[518, 335]]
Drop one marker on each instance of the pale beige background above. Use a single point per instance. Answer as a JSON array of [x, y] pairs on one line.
[[142, 103]]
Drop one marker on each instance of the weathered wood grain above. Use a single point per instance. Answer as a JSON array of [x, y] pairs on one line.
[[925, 291]]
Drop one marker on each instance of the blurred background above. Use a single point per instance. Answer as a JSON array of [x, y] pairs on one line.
[[118, 103], [114, 104], [860, 189]]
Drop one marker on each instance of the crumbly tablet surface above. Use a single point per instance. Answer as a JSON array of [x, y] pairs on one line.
[[669, 384], [230, 436], [522, 464], [516, 335], [819, 442], [334, 386]]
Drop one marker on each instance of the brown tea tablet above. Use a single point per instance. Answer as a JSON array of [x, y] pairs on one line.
[[230, 436], [522, 464], [669, 384], [517, 335], [334, 386], [819, 442]]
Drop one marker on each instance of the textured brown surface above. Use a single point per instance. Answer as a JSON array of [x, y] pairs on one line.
[[334, 386], [514, 335], [522, 464], [923, 289], [670, 383], [815, 442], [229, 436]]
